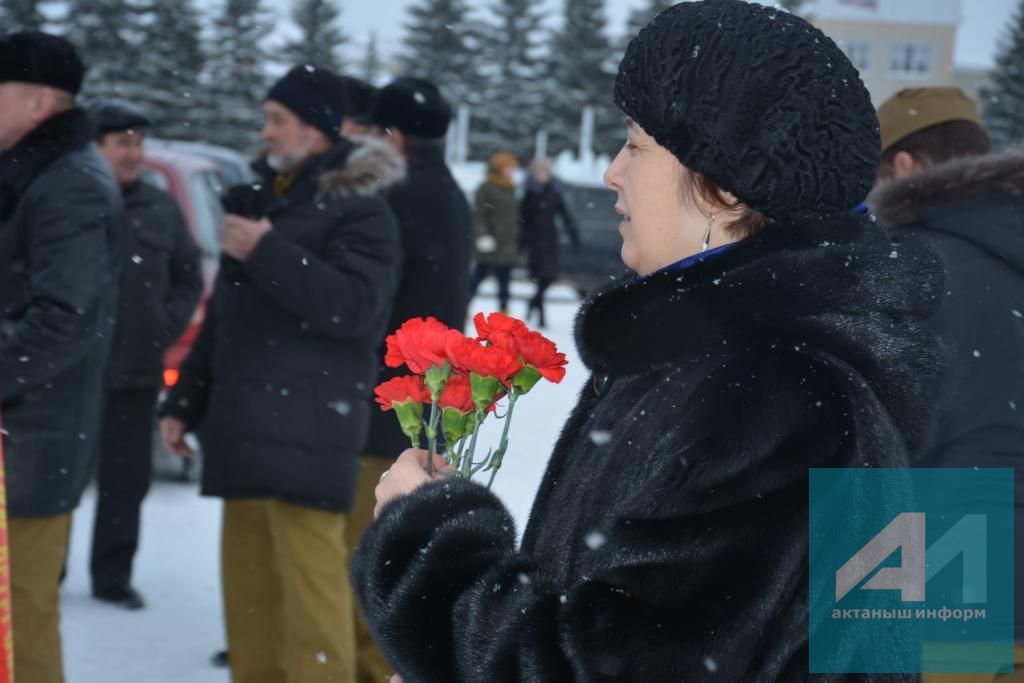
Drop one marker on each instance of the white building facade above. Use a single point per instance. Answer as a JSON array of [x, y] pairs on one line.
[[895, 44]]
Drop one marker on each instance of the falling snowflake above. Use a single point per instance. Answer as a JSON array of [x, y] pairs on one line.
[[595, 539]]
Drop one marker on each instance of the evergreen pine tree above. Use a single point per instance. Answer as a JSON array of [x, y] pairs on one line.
[[582, 74], [642, 16], [235, 79], [320, 38], [441, 43], [20, 15], [371, 66], [1003, 103], [168, 69], [512, 109], [109, 37]]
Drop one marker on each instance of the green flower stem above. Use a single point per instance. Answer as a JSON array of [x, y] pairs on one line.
[[494, 462], [435, 418], [467, 463]]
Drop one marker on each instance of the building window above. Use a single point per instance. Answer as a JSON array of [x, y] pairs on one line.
[[859, 53], [910, 59]]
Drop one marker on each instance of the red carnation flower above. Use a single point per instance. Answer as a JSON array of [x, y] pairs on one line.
[[499, 329], [487, 361], [540, 352], [457, 394], [419, 344], [401, 390]]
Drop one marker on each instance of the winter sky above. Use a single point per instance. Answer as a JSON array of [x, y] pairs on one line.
[[983, 23]]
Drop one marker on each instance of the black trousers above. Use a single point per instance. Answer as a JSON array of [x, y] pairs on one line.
[[504, 275], [123, 478]]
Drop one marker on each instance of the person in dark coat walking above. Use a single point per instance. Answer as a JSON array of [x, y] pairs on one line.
[[59, 212], [278, 380], [496, 226], [939, 181], [436, 226], [160, 286], [767, 331], [540, 210]]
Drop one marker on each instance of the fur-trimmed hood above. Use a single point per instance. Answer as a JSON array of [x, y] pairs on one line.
[[906, 200], [979, 200], [370, 167]]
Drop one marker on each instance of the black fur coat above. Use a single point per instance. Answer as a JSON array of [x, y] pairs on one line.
[[668, 541]]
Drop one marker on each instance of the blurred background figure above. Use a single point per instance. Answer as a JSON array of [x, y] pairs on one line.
[[161, 283], [59, 219], [496, 225], [542, 208], [940, 181]]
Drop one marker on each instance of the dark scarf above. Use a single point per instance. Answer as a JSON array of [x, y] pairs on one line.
[[54, 138]]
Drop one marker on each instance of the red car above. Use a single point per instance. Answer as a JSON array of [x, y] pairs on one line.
[[196, 184]]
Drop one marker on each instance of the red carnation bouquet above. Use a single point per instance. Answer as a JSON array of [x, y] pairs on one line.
[[462, 379]]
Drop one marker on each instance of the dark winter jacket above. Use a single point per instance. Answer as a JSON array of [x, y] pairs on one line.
[[496, 214], [972, 212], [160, 286], [59, 208], [278, 379], [436, 226], [669, 536], [541, 209]]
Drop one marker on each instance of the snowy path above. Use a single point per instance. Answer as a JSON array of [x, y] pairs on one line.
[[171, 641]]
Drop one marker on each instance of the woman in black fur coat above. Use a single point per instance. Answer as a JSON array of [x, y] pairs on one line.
[[767, 330]]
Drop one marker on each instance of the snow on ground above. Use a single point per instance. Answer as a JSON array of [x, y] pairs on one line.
[[177, 565]]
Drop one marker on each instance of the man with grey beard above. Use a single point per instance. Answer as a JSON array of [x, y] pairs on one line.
[[277, 382]]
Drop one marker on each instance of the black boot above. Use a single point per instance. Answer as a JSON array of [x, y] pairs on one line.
[[122, 596]]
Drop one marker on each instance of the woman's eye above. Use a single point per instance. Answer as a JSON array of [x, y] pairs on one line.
[[631, 147]]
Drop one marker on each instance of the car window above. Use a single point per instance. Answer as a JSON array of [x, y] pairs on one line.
[[203, 186]]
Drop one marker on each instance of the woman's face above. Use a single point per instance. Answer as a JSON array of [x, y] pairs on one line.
[[659, 226]]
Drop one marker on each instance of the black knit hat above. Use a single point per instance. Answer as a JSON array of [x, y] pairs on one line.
[[360, 96], [42, 59], [412, 105], [111, 115], [315, 95], [759, 101]]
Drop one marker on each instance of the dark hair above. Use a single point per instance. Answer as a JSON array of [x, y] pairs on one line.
[[749, 221], [940, 143]]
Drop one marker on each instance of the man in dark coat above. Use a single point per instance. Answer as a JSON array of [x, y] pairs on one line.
[[278, 381], [59, 208], [160, 285], [938, 181], [436, 225]]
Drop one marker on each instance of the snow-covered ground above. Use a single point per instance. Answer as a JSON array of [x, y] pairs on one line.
[[177, 566]]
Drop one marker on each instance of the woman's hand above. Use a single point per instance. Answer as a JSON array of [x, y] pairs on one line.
[[407, 474]]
